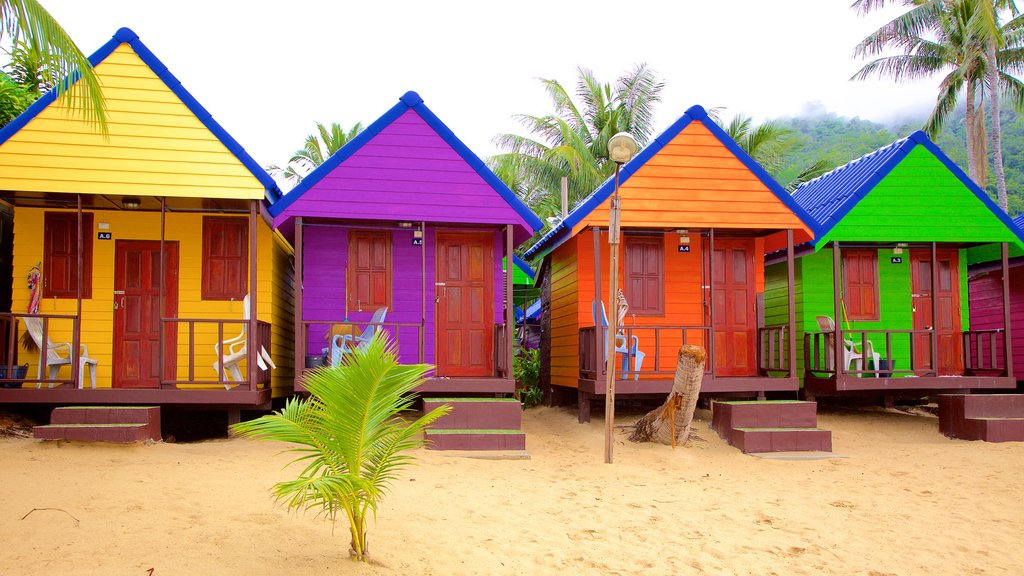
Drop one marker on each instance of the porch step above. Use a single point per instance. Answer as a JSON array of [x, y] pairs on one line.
[[477, 413], [475, 439], [986, 417], [770, 426], [102, 424]]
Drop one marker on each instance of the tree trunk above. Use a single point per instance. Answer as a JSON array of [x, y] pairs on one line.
[[981, 145], [996, 133], [670, 422], [972, 165]]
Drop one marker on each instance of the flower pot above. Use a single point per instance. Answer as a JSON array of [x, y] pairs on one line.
[[18, 372]]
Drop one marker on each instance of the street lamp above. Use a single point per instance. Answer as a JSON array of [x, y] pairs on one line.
[[621, 149]]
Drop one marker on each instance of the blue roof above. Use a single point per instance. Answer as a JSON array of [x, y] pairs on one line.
[[127, 36], [533, 310], [831, 196], [410, 100], [1019, 222], [563, 230], [523, 266]]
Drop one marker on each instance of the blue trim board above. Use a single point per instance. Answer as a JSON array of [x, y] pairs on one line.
[[831, 196], [127, 36], [410, 100], [1019, 222], [555, 236], [523, 266]]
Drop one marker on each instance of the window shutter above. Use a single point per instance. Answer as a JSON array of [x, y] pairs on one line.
[[225, 258], [860, 284], [60, 254], [644, 274], [369, 267]]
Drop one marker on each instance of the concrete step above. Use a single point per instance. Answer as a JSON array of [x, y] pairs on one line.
[[479, 439], [986, 405], [477, 413], [763, 414], [119, 433], [756, 440], [149, 415]]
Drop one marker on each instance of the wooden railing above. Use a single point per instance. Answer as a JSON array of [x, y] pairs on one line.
[[226, 328], [501, 366], [773, 349], [985, 351], [12, 326], [819, 352], [650, 340], [406, 337]]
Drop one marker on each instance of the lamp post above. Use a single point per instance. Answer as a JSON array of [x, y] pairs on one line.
[[621, 149]]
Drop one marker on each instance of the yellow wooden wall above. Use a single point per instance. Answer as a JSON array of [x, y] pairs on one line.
[[572, 294], [273, 289], [156, 145]]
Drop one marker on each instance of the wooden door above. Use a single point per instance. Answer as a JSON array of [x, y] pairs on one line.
[[947, 324], [735, 317], [136, 315], [465, 304]]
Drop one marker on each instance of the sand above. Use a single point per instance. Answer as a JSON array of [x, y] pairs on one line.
[[906, 500]]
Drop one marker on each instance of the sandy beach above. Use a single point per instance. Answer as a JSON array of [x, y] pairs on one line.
[[905, 500]]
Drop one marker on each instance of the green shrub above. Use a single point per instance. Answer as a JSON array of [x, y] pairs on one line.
[[526, 370]]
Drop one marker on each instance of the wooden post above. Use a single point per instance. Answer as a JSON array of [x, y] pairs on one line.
[[595, 306], [935, 311], [711, 301], [613, 318], [1007, 336], [160, 284], [77, 333], [300, 333], [421, 337], [837, 306], [509, 311], [791, 302], [253, 343]]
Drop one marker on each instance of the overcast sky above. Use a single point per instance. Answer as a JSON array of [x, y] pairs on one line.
[[268, 71]]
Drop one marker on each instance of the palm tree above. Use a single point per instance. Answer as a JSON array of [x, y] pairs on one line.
[[963, 38], [770, 144], [27, 23], [572, 141], [317, 148], [348, 435]]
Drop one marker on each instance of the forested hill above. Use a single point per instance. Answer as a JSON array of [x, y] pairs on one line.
[[843, 139]]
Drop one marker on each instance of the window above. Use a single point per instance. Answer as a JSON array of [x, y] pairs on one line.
[[60, 255], [860, 284], [644, 277], [225, 258], [369, 269]]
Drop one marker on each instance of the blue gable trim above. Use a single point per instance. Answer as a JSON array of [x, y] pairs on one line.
[[830, 197], [1019, 222], [411, 100], [127, 36], [523, 266], [555, 236]]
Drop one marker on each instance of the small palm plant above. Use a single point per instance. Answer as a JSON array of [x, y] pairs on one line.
[[349, 435]]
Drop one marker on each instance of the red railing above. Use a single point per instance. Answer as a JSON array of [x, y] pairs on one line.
[[171, 329], [819, 352], [773, 349], [650, 340], [12, 326], [985, 351]]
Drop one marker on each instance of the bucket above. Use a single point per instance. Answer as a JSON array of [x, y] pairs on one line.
[[18, 372], [314, 361], [885, 368]]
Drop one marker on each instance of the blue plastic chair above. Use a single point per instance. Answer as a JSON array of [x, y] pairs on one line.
[[620, 344]]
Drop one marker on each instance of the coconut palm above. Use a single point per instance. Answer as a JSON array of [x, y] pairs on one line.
[[770, 144], [964, 39], [348, 435], [572, 141], [27, 23], [318, 147]]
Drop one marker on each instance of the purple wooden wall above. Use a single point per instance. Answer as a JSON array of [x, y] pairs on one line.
[[325, 251], [986, 302], [406, 172]]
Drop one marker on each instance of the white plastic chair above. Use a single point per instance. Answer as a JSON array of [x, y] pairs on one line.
[[351, 340], [621, 344], [237, 349], [54, 359], [850, 352]]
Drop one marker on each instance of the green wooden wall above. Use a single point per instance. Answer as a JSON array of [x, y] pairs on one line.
[[920, 200]]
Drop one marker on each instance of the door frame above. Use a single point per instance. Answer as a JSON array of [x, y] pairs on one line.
[[749, 248], [170, 293], [439, 292], [953, 255]]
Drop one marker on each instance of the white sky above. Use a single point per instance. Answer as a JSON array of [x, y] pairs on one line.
[[268, 71]]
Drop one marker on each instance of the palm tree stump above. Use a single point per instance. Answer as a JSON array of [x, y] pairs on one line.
[[670, 422]]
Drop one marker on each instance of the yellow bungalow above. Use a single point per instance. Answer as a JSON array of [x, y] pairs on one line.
[[140, 249]]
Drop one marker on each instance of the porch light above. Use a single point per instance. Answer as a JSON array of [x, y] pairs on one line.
[[622, 147], [405, 224], [130, 202]]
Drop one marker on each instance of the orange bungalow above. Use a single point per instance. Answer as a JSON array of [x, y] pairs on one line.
[[698, 215], [141, 249]]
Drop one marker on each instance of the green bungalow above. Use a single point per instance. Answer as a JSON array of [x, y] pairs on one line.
[[895, 223]]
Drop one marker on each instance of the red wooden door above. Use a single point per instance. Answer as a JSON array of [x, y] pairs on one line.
[[136, 314], [735, 317], [465, 309], [947, 324]]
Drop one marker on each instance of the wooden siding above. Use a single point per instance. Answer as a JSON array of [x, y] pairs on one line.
[[325, 260], [776, 301], [696, 182], [986, 304], [282, 313], [406, 172], [156, 146], [565, 323], [920, 201], [98, 312], [814, 298]]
